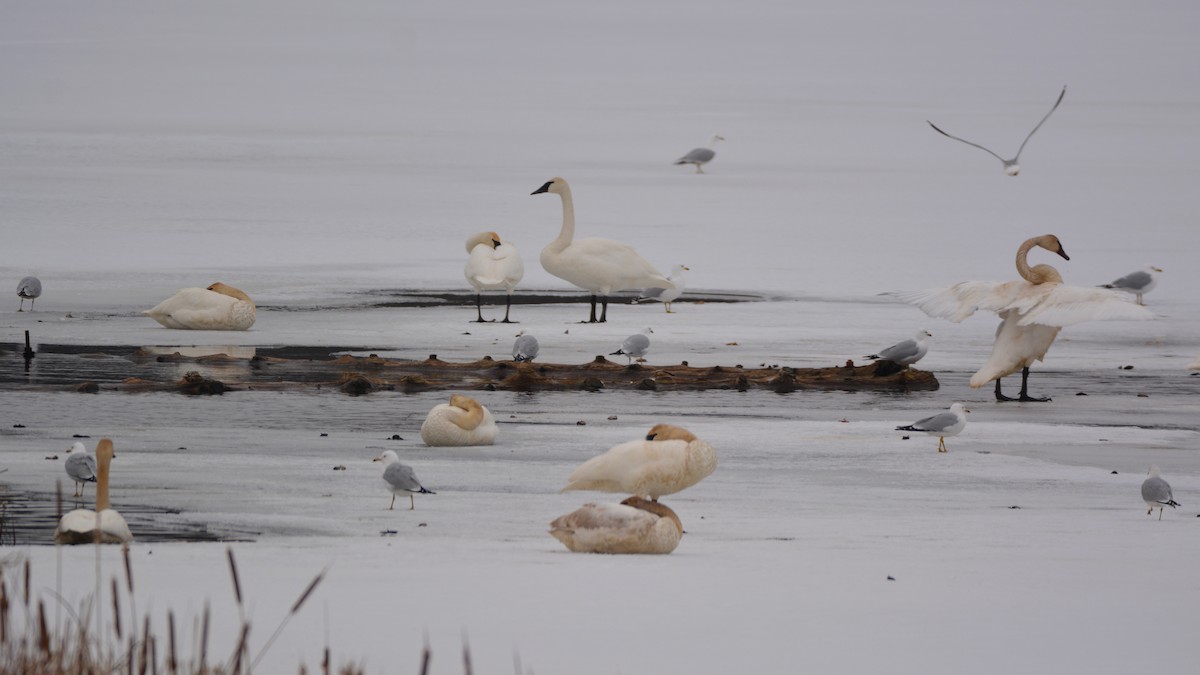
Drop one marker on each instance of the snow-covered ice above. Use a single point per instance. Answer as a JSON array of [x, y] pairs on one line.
[[322, 156]]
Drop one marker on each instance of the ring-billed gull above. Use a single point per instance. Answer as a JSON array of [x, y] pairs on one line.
[[701, 156], [80, 526], [1156, 492], [666, 295], [635, 346], [905, 352], [601, 266], [633, 526], [667, 460], [461, 422], [400, 479], [525, 347], [1011, 166], [218, 307], [950, 423], [29, 288], [492, 264], [81, 467], [1139, 283], [1033, 310]]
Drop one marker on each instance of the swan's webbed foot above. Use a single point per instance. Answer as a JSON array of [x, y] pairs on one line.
[[1000, 396], [1033, 399], [506, 320]]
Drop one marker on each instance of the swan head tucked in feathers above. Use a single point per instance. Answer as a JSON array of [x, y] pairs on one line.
[[669, 432], [490, 239], [474, 411], [226, 289], [660, 510]]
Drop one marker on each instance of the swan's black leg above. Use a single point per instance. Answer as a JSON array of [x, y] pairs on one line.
[[508, 306], [592, 318], [479, 308], [999, 396], [604, 311], [1025, 389]]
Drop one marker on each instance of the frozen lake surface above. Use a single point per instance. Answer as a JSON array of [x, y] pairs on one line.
[[325, 158]]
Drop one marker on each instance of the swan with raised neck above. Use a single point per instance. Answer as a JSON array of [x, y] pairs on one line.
[[1040, 274]]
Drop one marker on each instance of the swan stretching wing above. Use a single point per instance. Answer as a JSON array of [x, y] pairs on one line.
[[1046, 304]]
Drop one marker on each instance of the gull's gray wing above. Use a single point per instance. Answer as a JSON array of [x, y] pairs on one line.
[[938, 422], [961, 140], [525, 348], [901, 350], [81, 468], [401, 477], [700, 155], [29, 287], [650, 294], [635, 345], [1135, 281], [1157, 490], [1039, 124]]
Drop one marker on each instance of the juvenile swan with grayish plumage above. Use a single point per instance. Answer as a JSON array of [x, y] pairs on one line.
[[633, 526], [602, 266], [218, 307], [667, 460], [461, 422]]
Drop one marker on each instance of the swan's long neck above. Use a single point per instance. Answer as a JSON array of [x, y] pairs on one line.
[[568, 227], [104, 454], [1038, 274]]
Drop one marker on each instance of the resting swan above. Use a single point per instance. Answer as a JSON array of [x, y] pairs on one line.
[[668, 460], [602, 266], [462, 421], [492, 264], [1195, 364], [218, 307], [633, 526], [1033, 310], [80, 526]]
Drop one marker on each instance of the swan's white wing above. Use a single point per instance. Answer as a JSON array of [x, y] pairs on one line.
[[964, 299], [1039, 124], [1067, 305]]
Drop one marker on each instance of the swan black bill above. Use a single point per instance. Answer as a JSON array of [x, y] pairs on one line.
[[544, 188], [1063, 253]]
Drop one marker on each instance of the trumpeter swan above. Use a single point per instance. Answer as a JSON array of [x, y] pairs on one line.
[[1033, 310], [633, 526], [218, 307], [601, 266], [492, 264], [667, 460], [84, 526], [462, 421]]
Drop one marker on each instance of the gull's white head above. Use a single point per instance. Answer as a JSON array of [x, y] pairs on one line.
[[1153, 472], [387, 457], [77, 447], [923, 334], [1012, 168], [959, 408]]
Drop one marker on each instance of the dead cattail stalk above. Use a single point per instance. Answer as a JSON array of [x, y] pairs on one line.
[[466, 656], [3, 612], [204, 640], [144, 655], [240, 650], [237, 586], [43, 630], [116, 600], [28, 578], [171, 661], [295, 608], [426, 657], [153, 653]]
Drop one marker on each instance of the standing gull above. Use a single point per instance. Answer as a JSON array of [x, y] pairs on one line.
[[525, 347], [492, 264], [400, 479], [1011, 166], [941, 425], [635, 346], [1156, 492], [666, 295], [601, 266], [905, 352], [28, 289], [1139, 283], [701, 156], [81, 467]]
